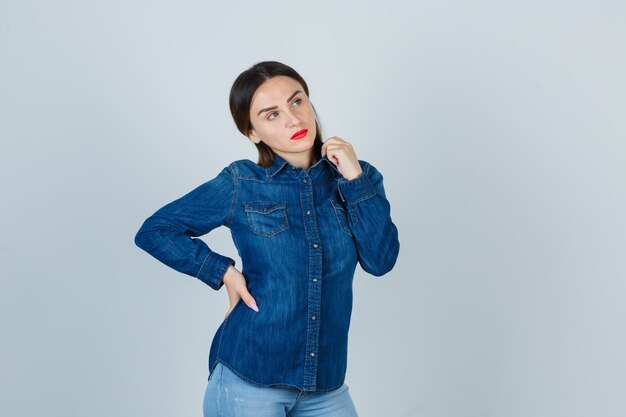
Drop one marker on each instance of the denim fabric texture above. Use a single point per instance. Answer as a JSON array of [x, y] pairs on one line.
[[299, 234], [228, 395]]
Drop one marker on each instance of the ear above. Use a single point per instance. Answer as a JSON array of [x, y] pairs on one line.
[[253, 137]]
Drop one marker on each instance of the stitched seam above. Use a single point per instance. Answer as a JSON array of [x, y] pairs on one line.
[[277, 385], [372, 194], [229, 218], [355, 215], [341, 226], [308, 312], [250, 214], [219, 342], [203, 262], [364, 198]]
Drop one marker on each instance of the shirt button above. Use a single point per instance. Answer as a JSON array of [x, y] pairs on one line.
[[305, 180], [315, 245], [313, 318], [312, 353], [314, 279], [308, 212]]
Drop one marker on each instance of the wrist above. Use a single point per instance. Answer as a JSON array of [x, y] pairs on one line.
[[352, 176], [228, 274]]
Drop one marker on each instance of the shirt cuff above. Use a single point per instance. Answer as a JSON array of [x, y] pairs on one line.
[[357, 189], [213, 270]]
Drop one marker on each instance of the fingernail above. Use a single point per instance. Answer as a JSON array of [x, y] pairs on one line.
[[254, 306]]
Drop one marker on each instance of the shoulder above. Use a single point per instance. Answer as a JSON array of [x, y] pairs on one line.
[[247, 170]]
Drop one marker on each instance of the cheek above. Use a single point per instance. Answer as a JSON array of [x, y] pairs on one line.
[[275, 133], [308, 113]]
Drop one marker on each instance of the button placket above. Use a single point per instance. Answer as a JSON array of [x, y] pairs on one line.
[[315, 272]]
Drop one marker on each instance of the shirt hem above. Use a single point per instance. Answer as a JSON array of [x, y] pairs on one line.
[[275, 384]]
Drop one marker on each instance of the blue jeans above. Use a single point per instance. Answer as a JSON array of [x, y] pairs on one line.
[[228, 395]]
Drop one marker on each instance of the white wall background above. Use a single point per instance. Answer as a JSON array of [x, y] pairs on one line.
[[499, 128]]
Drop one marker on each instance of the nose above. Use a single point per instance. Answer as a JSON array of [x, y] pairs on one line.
[[292, 118]]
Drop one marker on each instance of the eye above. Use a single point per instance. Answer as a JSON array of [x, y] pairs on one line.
[[298, 100]]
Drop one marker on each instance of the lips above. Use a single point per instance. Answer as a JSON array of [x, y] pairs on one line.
[[299, 134]]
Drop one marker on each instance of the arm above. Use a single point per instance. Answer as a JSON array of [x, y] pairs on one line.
[[370, 221], [169, 234]]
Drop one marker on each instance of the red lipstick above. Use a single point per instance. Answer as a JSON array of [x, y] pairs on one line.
[[299, 134]]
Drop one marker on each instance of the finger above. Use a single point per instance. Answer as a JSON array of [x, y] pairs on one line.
[[329, 141], [249, 300], [343, 151], [335, 152], [330, 148]]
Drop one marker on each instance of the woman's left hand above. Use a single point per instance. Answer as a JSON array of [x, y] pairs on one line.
[[342, 154]]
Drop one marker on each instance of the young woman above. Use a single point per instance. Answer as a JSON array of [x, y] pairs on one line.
[[301, 218]]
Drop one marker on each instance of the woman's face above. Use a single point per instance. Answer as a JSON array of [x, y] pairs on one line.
[[279, 109]]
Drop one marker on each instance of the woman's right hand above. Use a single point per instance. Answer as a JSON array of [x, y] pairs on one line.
[[237, 289]]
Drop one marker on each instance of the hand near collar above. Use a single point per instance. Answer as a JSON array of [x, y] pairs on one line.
[[342, 155]]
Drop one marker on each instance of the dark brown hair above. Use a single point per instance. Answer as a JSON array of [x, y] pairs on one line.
[[240, 101]]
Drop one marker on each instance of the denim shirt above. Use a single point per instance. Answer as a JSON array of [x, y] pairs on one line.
[[299, 234]]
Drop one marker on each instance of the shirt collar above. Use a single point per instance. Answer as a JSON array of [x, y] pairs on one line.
[[280, 162]]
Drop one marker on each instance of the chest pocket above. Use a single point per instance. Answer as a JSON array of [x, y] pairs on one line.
[[342, 216], [267, 218]]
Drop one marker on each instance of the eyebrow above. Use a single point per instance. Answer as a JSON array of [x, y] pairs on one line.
[[275, 107]]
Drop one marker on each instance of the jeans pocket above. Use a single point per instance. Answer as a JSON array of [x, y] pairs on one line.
[[267, 218]]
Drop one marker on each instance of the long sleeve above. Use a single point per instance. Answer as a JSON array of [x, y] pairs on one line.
[[170, 233], [370, 221]]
